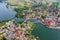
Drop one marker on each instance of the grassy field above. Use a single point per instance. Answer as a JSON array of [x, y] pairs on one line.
[[2, 23]]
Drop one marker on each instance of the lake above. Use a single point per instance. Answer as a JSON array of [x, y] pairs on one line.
[[45, 33], [6, 13]]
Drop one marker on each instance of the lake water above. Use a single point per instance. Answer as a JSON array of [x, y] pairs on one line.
[[45, 33], [6, 13]]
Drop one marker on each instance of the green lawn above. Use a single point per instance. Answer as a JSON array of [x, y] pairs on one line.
[[2, 23]]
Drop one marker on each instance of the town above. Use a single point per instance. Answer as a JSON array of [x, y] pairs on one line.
[[46, 13]]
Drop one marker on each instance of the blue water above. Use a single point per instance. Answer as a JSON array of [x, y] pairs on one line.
[[6, 13], [45, 33]]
